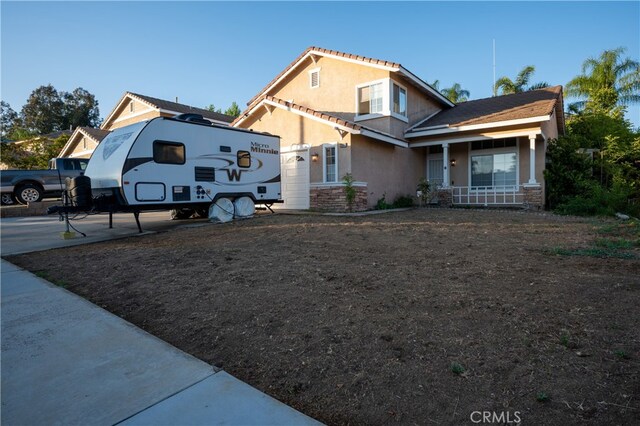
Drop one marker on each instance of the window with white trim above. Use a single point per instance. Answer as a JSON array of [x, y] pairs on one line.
[[330, 162], [494, 164], [314, 78], [370, 99], [399, 100]]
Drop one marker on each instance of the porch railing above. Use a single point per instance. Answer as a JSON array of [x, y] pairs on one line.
[[484, 196]]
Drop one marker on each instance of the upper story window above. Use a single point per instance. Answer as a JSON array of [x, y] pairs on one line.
[[314, 78], [380, 98], [399, 100]]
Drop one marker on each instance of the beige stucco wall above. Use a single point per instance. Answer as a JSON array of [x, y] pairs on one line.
[[135, 119], [81, 145], [127, 116], [386, 168], [336, 94], [294, 129]]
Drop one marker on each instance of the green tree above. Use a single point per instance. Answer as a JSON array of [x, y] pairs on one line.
[[506, 86], [233, 110], [8, 120], [34, 154], [456, 93], [213, 108], [43, 111], [607, 82], [435, 85], [80, 108]]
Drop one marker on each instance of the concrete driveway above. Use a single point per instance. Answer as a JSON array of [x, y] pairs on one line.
[[27, 234]]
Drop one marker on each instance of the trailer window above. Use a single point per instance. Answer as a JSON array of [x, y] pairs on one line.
[[244, 159], [168, 152]]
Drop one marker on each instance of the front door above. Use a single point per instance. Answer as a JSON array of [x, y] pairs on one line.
[[435, 173], [295, 179]]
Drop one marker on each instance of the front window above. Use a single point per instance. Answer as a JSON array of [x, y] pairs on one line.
[[494, 170], [330, 163], [399, 100], [168, 152], [370, 99]]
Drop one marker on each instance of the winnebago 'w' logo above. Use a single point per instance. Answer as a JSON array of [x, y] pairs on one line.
[[234, 175]]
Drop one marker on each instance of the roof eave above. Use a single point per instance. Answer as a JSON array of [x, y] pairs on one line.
[[439, 130]]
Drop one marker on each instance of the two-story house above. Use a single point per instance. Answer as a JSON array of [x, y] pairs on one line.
[[131, 108], [338, 113]]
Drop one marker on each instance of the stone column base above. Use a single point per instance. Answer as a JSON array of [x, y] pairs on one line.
[[445, 197], [532, 196], [332, 198]]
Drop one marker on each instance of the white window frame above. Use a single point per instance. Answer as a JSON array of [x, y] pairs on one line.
[[311, 72], [506, 150], [404, 118], [333, 145], [387, 99]]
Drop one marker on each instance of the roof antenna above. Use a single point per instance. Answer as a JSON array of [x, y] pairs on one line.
[[493, 89], [494, 77]]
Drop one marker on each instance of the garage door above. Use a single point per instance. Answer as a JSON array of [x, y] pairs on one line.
[[295, 179]]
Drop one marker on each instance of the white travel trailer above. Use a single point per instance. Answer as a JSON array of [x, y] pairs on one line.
[[183, 163]]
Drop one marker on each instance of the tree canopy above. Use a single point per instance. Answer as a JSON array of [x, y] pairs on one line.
[[456, 93], [607, 82], [506, 86]]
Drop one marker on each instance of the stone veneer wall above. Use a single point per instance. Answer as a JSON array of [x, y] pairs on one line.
[[445, 197], [533, 197], [333, 199]]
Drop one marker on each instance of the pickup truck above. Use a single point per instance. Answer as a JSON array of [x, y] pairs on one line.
[[28, 186]]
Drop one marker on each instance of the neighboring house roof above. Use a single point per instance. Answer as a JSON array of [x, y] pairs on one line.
[[168, 107], [96, 134], [532, 106], [328, 119], [377, 63]]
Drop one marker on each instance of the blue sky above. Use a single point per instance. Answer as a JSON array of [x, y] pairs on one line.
[[219, 52]]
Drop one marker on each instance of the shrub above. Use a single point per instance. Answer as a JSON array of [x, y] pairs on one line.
[[382, 204], [349, 190], [403, 201]]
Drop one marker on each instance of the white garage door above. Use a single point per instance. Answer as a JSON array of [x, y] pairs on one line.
[[295, 179]]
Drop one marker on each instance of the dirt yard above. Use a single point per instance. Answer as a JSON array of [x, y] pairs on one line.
[[416, 317]]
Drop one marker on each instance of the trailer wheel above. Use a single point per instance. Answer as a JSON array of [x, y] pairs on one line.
[[180, 214], [8, 199], [29, 193]]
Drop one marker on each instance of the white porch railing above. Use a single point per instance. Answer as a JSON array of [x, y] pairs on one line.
[[486, 196]]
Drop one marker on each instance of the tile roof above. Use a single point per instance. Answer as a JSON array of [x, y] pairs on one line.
[[329, 118], [535, 103], [328, 52], [96, 134], [181, 108]]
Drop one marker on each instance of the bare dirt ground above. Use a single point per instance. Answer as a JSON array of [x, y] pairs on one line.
[[414, 317]]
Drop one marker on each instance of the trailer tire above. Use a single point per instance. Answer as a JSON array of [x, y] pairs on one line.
[[8, 199], [29, 193]]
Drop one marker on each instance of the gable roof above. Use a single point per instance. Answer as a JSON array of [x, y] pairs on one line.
[[363, 60], [532, 106], [323, 117], [92, 133], [168, 107]]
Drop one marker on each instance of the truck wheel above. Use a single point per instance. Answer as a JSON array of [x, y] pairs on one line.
[[29, 193], [8, 199]]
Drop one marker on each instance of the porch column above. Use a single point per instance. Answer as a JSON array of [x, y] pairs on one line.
[[445, 165], [532, 159]]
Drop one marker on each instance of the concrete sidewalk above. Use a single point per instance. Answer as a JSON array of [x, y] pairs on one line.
[[67, 361]]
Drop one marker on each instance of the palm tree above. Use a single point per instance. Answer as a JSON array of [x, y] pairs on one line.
[[456, 93], [607, 81], [518, 85], [435, 85]]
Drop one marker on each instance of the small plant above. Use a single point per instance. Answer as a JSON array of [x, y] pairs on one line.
[[614, 243], [542, 397], [382, 203], [621, 354], [457, 368], [403, 201], [424, 191], [349, 190], [564, 340]]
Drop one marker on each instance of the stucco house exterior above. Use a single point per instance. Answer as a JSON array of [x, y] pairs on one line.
[[132, 108], [338, 113]]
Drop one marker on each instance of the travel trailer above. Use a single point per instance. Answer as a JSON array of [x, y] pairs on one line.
[[183, 164]]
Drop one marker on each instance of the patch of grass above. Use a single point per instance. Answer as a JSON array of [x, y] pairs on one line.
[[542, 397], [457, 369], [615, 243], [592, 252], [564, 340], [45, 276], [621, 354]]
